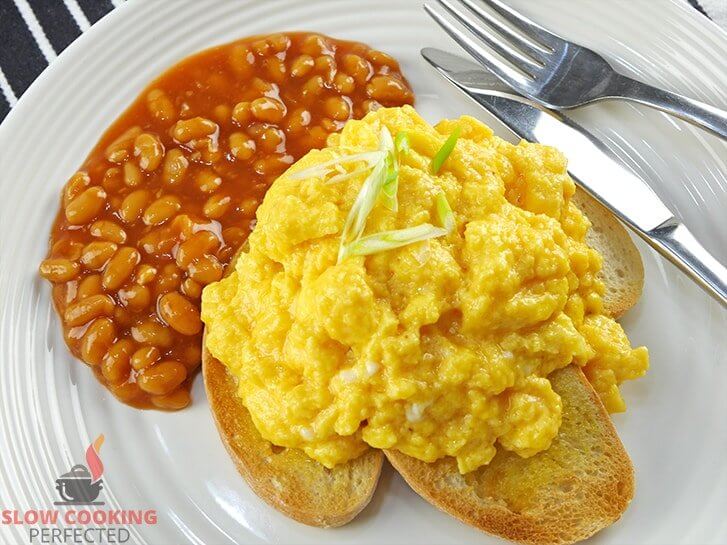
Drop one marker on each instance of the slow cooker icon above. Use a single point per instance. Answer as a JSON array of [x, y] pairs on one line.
[[78, 488]]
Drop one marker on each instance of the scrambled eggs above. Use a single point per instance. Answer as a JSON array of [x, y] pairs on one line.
[[439, 348]]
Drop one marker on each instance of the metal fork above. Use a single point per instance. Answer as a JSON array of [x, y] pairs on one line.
[[551, 70]]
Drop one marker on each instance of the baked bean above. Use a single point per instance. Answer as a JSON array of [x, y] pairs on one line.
[[86, 206], [298, 119], [241, 60], [216, 206], [315, 45], [132, 174], [387, 89], [241, 147], [179, 313], [59, 269], [302, 66], [162, 210], [207, 180], [381, 58], [108, 230], [123, 317], [135, 297], [158, 242], [241, 113], [91, 285], [205, 270], [248, 207], [97, 339], [150, 151], [235, 236], [191, 356], [313, 87], [119, 150], [113, 180], [144, 274], [329, 125], [175, 167], [160, 105], [75, 186], [127, 392], [338, 108], [371, 106], [222, 113], [279, 42], [357, 67], [272, 165], [133, 205], [175, 401], [96, 254], [326, 65], [275, 69], [115, 366], [85, 310], [196, 246], [193, 129], [270, 110], [317, 137], [152, 333], [67, 248], [162, 378], [260, 47], [191, 289], [144, 357], [344, 83], [119, 268], [272, 140]]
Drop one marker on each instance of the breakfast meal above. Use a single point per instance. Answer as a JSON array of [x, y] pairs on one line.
[[427, 292], [358, 285], [169, 193]]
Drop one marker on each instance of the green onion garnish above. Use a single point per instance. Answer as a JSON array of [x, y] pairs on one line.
[[371, 158], [441, 156], [389, 240], [444, 212], [401, 142], [391, 184]]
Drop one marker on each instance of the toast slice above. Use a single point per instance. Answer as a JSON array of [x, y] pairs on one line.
[[287, 479], [584, 481]]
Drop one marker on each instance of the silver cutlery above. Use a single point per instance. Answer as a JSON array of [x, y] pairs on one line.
[[593, 166], [551, 70]]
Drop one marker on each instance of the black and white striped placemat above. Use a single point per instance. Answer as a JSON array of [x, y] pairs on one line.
[[34, 32]]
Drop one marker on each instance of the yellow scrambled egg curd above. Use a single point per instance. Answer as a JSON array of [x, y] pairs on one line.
[[439, 348]]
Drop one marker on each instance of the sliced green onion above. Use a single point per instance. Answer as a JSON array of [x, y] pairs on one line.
[[444, 212], [401, 142], [389, 240], [390, 187], [371, 158], [441, 156], [362, 206], [346, 176]]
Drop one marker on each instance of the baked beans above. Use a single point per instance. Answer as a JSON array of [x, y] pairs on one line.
[[170, 192]]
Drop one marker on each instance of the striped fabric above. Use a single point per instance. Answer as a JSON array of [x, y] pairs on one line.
[[34, 32]]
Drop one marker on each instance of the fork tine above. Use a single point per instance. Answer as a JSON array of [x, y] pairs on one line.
[[530, 28], [532, 48], [517, 59], [466, 40]]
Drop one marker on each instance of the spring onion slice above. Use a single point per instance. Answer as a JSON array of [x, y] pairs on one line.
[[391, 184], [389, 240], [362, 206], [371, 158], [441, 156], [346, 176], [401, 142], [444, 212]]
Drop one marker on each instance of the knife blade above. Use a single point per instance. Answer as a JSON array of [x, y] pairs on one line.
[[592, 166]]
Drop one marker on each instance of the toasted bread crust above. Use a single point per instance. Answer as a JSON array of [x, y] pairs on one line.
[[580, 485], [623, 270], [287, 479]]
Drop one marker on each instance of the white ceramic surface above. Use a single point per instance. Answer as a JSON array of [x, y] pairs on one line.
[[52, 407]]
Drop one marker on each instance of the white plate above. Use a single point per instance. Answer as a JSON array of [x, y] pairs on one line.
[[52, 407]]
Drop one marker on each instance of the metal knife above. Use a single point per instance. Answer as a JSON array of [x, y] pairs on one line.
[[592, 166]]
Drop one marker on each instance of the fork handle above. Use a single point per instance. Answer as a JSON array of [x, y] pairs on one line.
[[675, 242], [698, 113]]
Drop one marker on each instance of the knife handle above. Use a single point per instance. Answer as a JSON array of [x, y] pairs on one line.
[[693, 111], [675, 242]]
